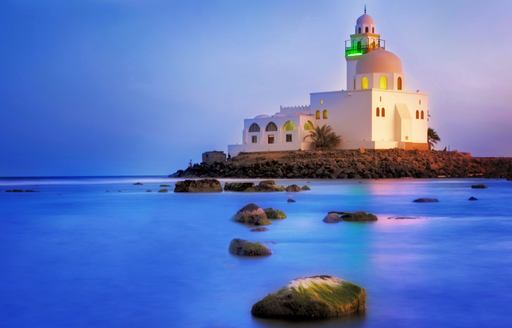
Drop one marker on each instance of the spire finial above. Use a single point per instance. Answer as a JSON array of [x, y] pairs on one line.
[[365, 8]]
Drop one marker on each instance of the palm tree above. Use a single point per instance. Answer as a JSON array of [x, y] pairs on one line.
[[324, 138], [433, 138]]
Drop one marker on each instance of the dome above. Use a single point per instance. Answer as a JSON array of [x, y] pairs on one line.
[[365, 20], [379, 61]]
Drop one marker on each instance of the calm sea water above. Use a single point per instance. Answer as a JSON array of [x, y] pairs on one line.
[[101, 252]]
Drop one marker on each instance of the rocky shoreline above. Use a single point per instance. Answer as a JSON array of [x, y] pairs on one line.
[[353, 164]]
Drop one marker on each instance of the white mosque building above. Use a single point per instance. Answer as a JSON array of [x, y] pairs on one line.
[[375, 112]]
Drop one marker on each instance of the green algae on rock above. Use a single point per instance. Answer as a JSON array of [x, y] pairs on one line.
[[313, 298], [243, 247], [274, 214], [252, 214]]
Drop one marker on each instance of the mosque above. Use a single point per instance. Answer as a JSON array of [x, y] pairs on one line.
[[375, 112]]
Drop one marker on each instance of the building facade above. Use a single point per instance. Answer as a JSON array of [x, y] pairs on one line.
[[376, 111]]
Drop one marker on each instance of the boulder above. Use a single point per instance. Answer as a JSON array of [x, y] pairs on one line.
[[305, 188], [313, 298], [239, 186], [479, 186], [335, 217], [242, 247], [252, 214], [202, 185], [274, 214], [293, 188], [472, 198], [426, 200]]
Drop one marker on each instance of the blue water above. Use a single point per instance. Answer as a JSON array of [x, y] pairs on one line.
[[101, 252]]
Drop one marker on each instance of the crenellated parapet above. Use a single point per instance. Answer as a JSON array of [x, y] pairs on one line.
[[295, 109]]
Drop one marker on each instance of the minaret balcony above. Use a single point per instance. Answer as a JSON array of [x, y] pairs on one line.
[[354, 49]]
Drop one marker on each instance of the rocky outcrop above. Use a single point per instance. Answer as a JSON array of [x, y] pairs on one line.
[[274, 214], [252, 214], [239, 186], [313, 298], [353, 164], [293, 188], [426, 200], [335, 217], [479, 186], [203, 185], [242, 247], [263, 186]]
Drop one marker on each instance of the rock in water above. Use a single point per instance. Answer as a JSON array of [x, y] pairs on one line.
[[202, 185], [402, 218], [252, 214], [472, 198], [313, 298], [426, 200], [335, 217], [138, 184], [259, 229], [242, 247], [291, 200], [239, 186], [268, 186], [305, 188], [293, 188], [275, 214], [479, 186]]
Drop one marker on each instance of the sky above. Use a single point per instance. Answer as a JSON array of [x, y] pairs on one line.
[[130, 87]]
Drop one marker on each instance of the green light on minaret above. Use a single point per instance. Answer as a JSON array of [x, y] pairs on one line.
[[354, 54]]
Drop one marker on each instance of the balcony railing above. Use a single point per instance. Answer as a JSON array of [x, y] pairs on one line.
[[353, 48]]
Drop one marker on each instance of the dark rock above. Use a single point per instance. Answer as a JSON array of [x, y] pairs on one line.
[[203, 185], [472, 198], [305, 188], [335, 217], [163, 190], [293, 188], [259, 229], [274, 214], [242, 247], [20, 190], [291, 200], [252, 214], [239, 186], [479, 186], [426, 200], [402, 218], [138, 184], [268, 186], [312, 298]]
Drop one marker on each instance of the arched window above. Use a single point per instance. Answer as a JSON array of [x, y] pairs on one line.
[[271, 127], [417, 114], [399, 83], [377, 112], [364, 83], [383, 82], [383, 112], [422, 115], [366, 29], [359, 30], [373, 29], [317, 115], [289, 126], [325, 114], [254, 128], [308, 126]]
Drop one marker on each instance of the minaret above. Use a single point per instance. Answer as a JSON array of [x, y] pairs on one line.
[[364, 40]]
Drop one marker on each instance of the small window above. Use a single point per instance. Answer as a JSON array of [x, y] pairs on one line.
[[399, 83], [366, 30], [325, 114], [317, 115], [288, 138], [422, 115], [359, 29], [354, 84], [321, 101], [364, 83], [270, 139], [420, 101], [377, 112], [383, 112], [417, 114], [380, 98], [254, 139]]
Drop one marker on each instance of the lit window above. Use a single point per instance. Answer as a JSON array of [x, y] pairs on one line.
[[317, 115], [289, 126], [254, 139], [321, 101], [399, 83], [288, 138], [325, 114], [271, 127], [364, 83], [270, 139], [377, 112], [417, 114], [383, 82], [422, 115], [308, 126], [383, 112], [254, 128]]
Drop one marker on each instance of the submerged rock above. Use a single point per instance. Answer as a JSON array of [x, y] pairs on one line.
[[20, 190], [313, 298], [202, 185], [165, 185], [275, 214], [293, 188], [426, 200], [291, 200], [259, 229], [479, 186], [138, 184], [335, 217], [243, 247], [305, 188], [163, 190], [252, 214], [472, 198]]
